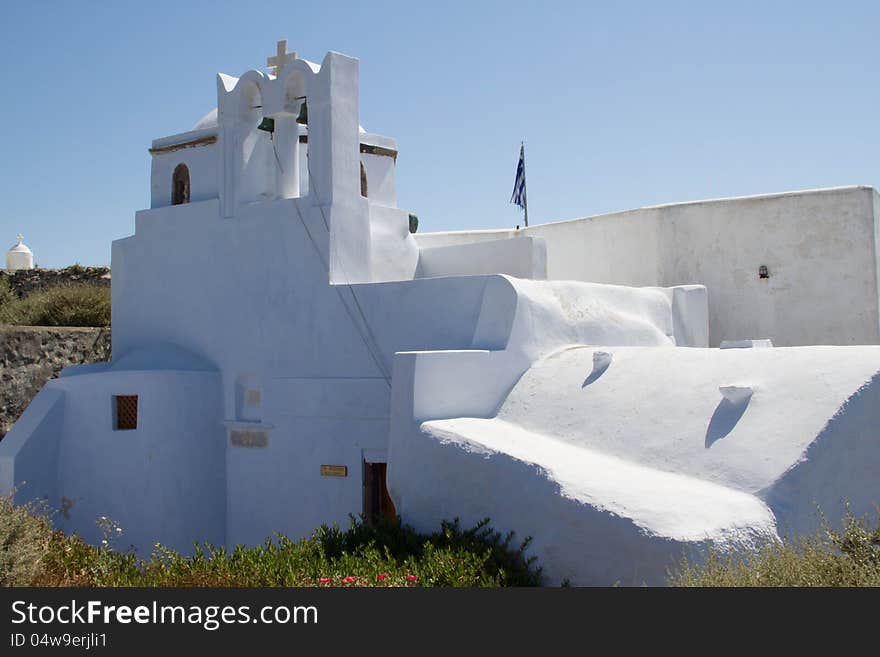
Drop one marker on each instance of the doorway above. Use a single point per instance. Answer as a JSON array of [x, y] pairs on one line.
[[377, 501]]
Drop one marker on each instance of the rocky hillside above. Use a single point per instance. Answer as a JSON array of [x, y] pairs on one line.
[[31, 355]]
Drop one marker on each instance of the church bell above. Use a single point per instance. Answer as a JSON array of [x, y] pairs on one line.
[[267, 124]]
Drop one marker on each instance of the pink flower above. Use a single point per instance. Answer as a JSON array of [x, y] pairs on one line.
[[412, 578], [382, 577], [350, 579], [325, 580]]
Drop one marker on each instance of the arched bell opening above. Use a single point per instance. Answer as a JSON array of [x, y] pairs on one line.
[[180, 185]]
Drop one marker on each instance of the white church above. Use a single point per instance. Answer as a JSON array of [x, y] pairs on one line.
[[623, 388]]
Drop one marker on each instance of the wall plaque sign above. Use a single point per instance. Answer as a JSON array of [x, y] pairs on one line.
[[334, 470]]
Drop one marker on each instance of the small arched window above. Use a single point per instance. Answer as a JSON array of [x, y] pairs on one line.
[[180, 185], [363, 180]]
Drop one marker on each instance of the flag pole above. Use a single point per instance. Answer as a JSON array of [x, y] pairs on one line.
[[525, 191]]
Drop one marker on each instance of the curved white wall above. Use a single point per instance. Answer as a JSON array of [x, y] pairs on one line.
[[164, 481]]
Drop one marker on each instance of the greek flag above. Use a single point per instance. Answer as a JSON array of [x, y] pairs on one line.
[[519, 185]]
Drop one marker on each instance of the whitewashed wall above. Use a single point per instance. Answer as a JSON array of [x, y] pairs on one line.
[[820, 252], [161, 482], [251, 295], [525, 257], [819, 247], [203, 163], [380, 179]]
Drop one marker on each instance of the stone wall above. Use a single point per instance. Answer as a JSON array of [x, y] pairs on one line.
[[25, 281], [31, 355]]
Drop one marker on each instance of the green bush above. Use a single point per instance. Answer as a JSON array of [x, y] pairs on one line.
[[389, 554], [75, 304], [850, 557]]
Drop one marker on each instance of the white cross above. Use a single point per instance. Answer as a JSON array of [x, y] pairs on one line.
[[20, 238], [281, 58]]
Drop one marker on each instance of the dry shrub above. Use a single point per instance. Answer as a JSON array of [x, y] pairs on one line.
[[24, 538], [73, 304], [849, 557]]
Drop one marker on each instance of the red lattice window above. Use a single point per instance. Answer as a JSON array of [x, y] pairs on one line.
[[126, 412]]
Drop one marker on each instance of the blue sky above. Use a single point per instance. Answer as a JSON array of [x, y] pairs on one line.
[[620, 104]]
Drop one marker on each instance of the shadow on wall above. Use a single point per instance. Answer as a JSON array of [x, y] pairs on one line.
[[601, 362], [839, 468], [732, 407]]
